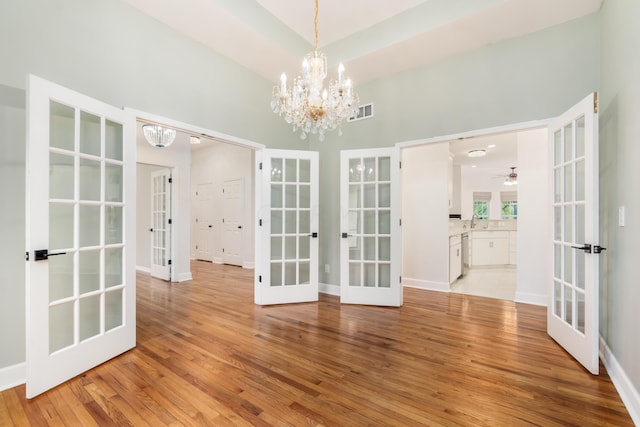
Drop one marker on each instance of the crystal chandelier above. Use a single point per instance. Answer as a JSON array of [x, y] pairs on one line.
[[309, 107], [159, 136]]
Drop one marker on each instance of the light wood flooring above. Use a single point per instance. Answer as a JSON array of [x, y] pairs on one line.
[[206, 355]]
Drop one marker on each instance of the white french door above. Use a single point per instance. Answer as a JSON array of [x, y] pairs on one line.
[[370, 249], [233, 196], [80, 234], [287, 238], [161, 224], [572, 314]]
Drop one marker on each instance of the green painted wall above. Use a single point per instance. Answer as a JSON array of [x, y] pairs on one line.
[[620, 183]]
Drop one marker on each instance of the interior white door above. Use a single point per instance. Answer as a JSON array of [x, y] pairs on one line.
[[287, 237], [80, 208], [370, 249], [572, 315], [204, 222], [233, 196], [161, 224]]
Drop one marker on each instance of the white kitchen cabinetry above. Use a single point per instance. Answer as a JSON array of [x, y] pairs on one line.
[[455, 257], [513, 247], [489, 247]]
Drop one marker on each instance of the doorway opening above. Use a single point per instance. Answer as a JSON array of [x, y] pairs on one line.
[[447, 245]]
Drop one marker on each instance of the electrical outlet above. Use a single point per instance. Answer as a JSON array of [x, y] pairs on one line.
[[326, 268], [621, 216]]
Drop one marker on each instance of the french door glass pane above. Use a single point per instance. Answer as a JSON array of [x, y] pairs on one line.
[[369, 222], [568, 142], [304, 247], [89, 226], [355, 170], [276, 222], [580, 311], [557, 299], [113, 183], [384, 221], [354, 196], [276, 274], [369, 279], [60, 277], [305, 170], [113, 225], [90, 181], [568, 264], [61, 323], [304, 273], [355, 277], [291, 170], [276, 247], [557, 148], [290, 196], [89, 268], [568, 298], [276, 195], [113, 303], [61, 126], [89, 134], [61, 176], [568, 223], [580, 137], [580, 180], [60, 226], [305, 197], [113, 140], [568, 183], [305, 222], [113, 267], [369, 191], [276, 170], [290, 274], [290, 222], [89, 317], [369, 169], [290, 249], [384, 195], [384, 169], [384, 274]]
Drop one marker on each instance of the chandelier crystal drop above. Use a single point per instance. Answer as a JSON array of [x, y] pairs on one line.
[[306, 105]]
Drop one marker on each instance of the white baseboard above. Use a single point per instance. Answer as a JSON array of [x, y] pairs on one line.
[[326, 288], [12, 376], [143, 269], [183, 277], [249, 265], [425, 284], [535, 299], [628, 393]]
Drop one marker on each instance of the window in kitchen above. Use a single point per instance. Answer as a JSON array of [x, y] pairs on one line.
[[481, 202], [509, 201]]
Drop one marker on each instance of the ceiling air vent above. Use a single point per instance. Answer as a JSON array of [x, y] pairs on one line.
[[364, 112]]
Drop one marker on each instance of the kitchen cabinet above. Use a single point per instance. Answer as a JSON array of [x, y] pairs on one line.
[[455, 257], [513, 247], [489, 247]]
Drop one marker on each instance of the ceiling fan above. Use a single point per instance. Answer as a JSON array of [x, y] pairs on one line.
[[512, 177]]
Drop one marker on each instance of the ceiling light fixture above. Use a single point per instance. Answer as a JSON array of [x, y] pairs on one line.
[[309, 107], [512, 178], [194, 140], [159, 136], [477, 153]]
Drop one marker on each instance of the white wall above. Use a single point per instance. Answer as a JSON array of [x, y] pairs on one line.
[[620, 186], [216, 164], [12, 228], [534, 233], [425, 216]]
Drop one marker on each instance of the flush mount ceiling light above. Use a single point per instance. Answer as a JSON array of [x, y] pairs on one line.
[[309, 107], [194, 140], [477, 153], [159, 136]]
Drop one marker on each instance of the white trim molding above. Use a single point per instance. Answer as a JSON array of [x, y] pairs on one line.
[[143, 269], [628, 393], [529, 298], [425, 284], [13, 376], [326, 288]]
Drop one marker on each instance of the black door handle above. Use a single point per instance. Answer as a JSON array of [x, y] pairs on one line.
[[151, 230], [211, 226], [313, 235], [586, 248], [43, 254], [239, 226], [345, 235], [598, 249]]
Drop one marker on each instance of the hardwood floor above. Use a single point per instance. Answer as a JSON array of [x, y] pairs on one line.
[[206, 355]]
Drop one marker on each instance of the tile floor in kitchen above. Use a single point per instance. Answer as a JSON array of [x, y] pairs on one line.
[[492, 281]]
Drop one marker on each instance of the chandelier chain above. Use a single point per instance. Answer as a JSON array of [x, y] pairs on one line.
[[315, 21]]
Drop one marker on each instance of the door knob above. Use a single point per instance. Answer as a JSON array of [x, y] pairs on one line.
[[239, 226]]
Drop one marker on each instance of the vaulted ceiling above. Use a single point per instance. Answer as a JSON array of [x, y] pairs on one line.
[[373, 38]]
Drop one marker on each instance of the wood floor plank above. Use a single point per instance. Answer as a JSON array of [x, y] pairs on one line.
[[207, 356]]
